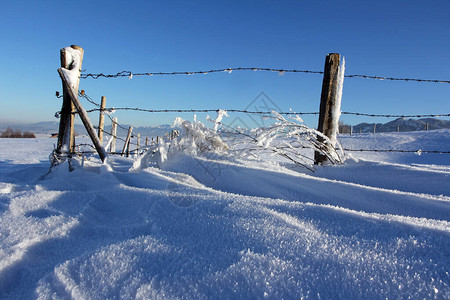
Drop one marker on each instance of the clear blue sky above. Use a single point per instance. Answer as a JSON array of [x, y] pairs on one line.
[[389, 38]]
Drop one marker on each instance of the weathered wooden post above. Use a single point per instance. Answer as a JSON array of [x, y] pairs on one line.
[[330, 103], [128, 148], [66, 135], [113, 134], [426, 126], [374, 128], [127, 140], [101, 119], [351, 129], [146, 141], [70, 77]]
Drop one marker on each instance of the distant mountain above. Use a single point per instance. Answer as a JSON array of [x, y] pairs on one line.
[[402, 124]]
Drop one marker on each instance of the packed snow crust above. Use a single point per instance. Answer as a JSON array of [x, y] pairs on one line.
[[206, 226]]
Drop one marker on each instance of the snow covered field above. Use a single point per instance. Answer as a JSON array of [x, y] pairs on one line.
[[376, 227]]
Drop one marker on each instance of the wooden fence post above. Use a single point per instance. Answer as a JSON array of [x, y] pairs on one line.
[[426, 126], [146, 141], [330, 104], [127, 140], [66, 135], [374, 128], [101, 119], [128, 148], [83, 116], [113, 134]]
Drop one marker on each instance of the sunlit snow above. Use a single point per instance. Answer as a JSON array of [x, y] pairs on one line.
[[199, 225]]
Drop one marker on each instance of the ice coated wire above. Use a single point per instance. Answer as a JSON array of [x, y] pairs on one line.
[[280, 71]]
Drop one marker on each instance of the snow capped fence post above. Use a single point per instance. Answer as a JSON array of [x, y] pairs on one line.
[[330, 102], [71, 58], [101, 119]]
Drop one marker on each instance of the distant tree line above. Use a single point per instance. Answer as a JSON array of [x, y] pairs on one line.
[[9, 133]]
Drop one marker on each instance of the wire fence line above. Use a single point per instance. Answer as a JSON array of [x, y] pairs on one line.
[[261, 112], [130, 74], [89, 99]]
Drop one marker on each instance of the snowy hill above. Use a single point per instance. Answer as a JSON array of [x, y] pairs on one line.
[[214, 227]]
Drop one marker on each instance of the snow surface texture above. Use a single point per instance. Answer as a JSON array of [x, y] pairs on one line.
[[208, 226]]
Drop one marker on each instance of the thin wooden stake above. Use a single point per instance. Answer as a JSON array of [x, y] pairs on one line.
[[138, 142], [84, 117], [146, 141], [101, 119], [113, 133], [127, 140]]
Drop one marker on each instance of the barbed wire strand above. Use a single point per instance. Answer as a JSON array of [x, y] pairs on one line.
[[82, 94], [130, 74], [263, 112], [89, 99]]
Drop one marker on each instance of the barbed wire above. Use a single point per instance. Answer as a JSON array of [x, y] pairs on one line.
[[263, 112], [89, 99], [109, 109], [130, 74], [83, 94], [115, 136], [200, 111]]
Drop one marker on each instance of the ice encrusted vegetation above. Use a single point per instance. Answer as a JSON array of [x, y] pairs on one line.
[[287, 138]]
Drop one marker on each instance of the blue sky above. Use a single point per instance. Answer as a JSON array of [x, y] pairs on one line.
[[389, 38]]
